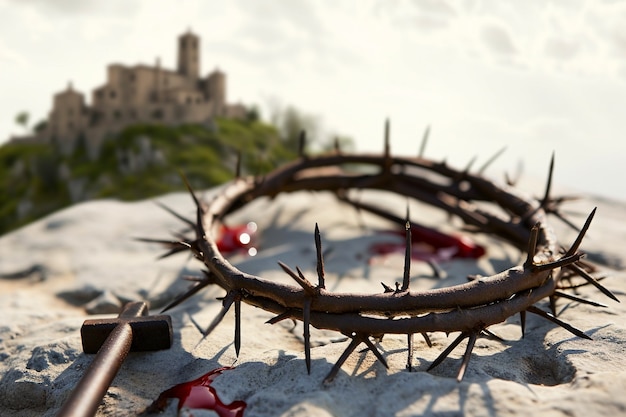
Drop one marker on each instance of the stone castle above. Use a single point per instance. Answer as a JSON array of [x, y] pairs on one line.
[[139, 94]]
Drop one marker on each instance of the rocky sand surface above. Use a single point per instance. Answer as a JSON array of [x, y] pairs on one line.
[[84, 262]]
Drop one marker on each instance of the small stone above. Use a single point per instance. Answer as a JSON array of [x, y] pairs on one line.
[[19, 390]]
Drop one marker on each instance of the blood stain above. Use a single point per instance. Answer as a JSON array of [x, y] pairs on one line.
[[199, 394]]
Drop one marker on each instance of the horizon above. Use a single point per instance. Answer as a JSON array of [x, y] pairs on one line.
[[535, 79]]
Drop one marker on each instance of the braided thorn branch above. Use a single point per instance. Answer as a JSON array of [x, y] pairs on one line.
[[469, 308]]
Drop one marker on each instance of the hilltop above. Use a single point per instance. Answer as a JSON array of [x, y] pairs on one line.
[[141, 161]]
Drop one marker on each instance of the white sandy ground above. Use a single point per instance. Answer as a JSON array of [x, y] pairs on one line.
[[91, 263]]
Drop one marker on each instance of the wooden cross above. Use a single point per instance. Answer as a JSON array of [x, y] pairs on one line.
[[112, 339]]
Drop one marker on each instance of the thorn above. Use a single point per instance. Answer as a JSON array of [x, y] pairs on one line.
[[532, 244], [491, 160], [320, 258], [522, 319], [187, 294], [282, 316], [446, 352], [387, 145], [578, 299], [491, 334], [386, 287], [584, 274], [409, 359], [424, 142], [406, 280], [550, 317], [178, 216], [375, 351], [226, 303], [580, 236], [199, 210], [466, 357], [303, 282], [559, 263], [306, 318], [427, 339], [546, 195], [468, 167], [356, 340], [237, 325], [552, 301]]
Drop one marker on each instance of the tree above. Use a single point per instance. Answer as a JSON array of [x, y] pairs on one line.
[[290, 122], [22, 119]]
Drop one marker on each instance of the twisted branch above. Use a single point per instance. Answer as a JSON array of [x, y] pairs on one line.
[[469, 308]]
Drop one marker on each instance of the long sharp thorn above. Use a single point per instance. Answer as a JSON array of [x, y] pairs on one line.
[[466, 357], [237, 325], [522, 322], [424, 142], [427, 339], [593, 281], [469, 165], [356, 340], [407, 253], [320, 258], [492, 335], [190, 292], [306, 318], [226, 303], [446, 352], [199, 227], [491, 160], [387, 145], [282, 316], [532, 244], [578, 299], [172, 212], [559, 263], [306, 285], [550, 317], [303, 282], [546, 196], [409, 358], [375, 351], [552, 301], [581, 235], [566, 221]]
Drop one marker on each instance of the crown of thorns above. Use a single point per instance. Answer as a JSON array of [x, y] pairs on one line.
[[468, 308]]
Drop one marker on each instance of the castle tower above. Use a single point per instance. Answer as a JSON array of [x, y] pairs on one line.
[[189, 55], [216, 84]]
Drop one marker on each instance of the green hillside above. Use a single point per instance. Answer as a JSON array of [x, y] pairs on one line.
[[142, 161]]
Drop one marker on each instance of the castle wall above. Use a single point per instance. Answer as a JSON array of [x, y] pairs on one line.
[[141, 94]]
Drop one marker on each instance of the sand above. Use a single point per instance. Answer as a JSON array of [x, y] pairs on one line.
[[87, 265]]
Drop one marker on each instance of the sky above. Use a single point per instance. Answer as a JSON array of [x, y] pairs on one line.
[[536, 76]]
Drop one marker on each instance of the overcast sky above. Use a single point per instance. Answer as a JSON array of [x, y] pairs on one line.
[[535, 76]]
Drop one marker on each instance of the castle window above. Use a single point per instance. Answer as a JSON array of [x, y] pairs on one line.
[[157, 114], [132, 77], [112, 94], [117, 114], [188, 100]]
